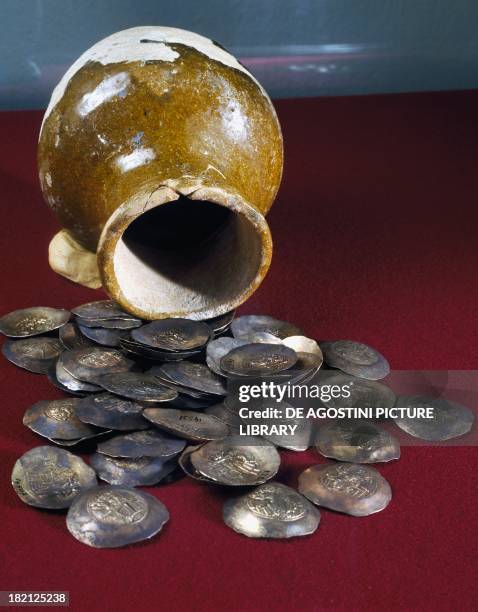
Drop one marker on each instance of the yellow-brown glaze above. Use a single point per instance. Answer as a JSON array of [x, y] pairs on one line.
[[190, 120]]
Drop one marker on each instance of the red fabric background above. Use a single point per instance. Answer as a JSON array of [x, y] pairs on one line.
[[375, 239]]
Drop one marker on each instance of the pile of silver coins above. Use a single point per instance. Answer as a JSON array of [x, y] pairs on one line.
[[155, 400]]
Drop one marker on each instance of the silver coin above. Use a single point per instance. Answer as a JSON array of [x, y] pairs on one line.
[[106, 410], [258, 360], [219, 348], [356, 441], [306, 366], [57, 419], [49, 477], [187, 467], [363, 393], [237, 460], [298, 441], [140, 471], [221, 323], [149, 443], [32, 321], [51, 375], [154, 354], [112, 324], [229, 417], [302, 344], [105, 337], [33, 354], [72, 338], [72, 383], [353, 489], [271, 510], [195, 376], [112, 516], [249, 324], [101, 310], [173, 334], [137, 386], [164, 378], [89, 364], [355, 358], [187, 424], [261, 337], [449, 420]]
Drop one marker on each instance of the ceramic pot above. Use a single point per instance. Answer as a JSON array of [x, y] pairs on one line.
[[160, 155]]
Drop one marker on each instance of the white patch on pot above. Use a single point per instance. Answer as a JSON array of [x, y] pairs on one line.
[[135, 159], [127, 46], [116, 85]]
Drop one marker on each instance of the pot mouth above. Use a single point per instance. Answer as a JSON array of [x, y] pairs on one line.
[[172, 253]]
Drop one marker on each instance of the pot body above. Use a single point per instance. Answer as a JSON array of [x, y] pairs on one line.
[[151, 116]]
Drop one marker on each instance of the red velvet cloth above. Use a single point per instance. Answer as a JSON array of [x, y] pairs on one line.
[[375, 239]]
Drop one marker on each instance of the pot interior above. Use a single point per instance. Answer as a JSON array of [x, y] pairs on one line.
[[188, 258]]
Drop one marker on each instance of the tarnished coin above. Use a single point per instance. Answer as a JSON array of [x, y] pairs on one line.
[[70, 382], [187, 467], [217, 349], [106, 410], [355, 392], [33, 354], [105, 337], [89, 364], [101, 310], [187, 424], [271, 510], [237, 460], [358, 490], [111, 324], [173, 334], [112, 516], [141, 471], [149, 443], [195, 376], [32, 321], [57, 419], [249, 324], [72, 338], [164, 378], [49, 477], [355, 358], [356, 441], [51, 375], [449, 419], [137, 386], [221, 323], [222, 412], [258, 360]]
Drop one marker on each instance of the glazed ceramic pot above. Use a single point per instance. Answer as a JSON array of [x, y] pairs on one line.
[[160, 155]]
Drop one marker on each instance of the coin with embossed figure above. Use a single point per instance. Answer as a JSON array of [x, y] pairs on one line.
[[57, 419], [195, 426], [89, 364], [271, 510], [258, 360], [72, 338], [356, 441], [237, 460], [133, 472], [35, 354], [49, 477], [137, 386], [353, 489], [112, 412], [173, 334], [33, 321], [249, 324], [448, 419], [111, 516], [101, 310], [195, 376], [355, 358], [70, 382], [353, 392], [149, 443], [104, 337]]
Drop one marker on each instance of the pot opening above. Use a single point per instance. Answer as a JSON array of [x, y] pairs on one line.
[[188, 257]]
